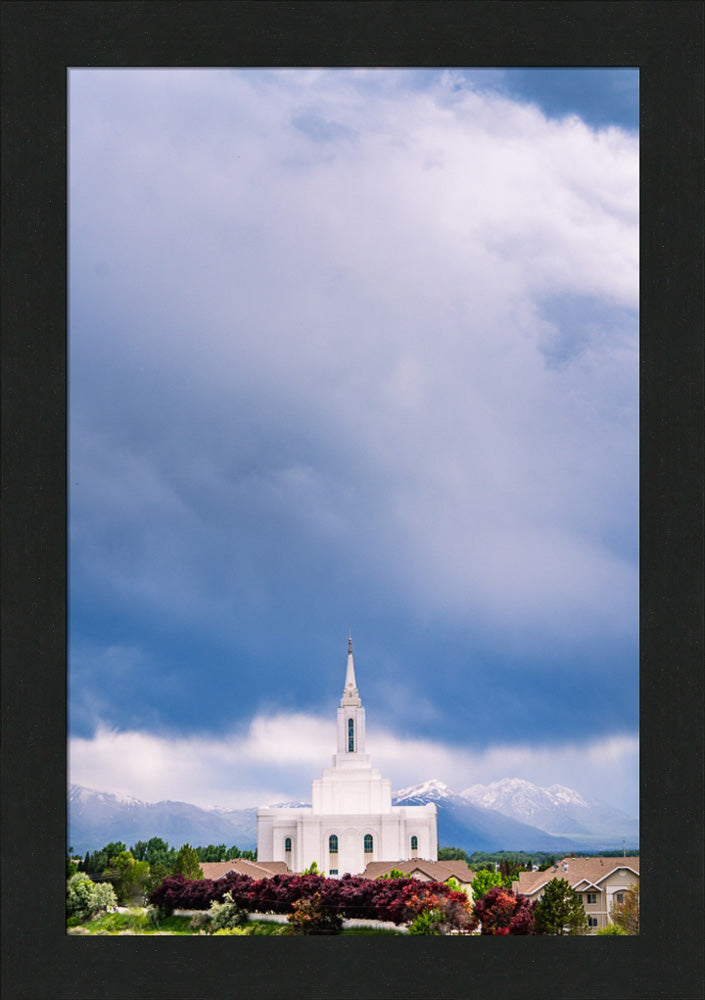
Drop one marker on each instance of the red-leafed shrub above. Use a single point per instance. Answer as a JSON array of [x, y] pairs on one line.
[[311, 916], [398, 900], [502, 912]]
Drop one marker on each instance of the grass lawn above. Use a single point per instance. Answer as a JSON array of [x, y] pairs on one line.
[[135, 922]]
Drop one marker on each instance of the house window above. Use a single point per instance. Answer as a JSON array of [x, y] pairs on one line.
[[414, 843], [592, 921], [333, 844], [592, 897], [368, 843], [287, 844], [332, 871], [351, 736], [619, 897]]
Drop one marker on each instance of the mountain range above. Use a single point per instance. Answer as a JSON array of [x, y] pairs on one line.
[[513, 814], [510, 814]]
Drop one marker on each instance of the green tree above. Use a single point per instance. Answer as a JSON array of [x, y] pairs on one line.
[[71, 863], [129, 878], [154, 849], [625, 915], [560, 910], [453, 854], [214, 852], [611, 930], [394, 873], [85, 899], [509, 869], [187, 863], [547, 863], [312, 869], [157, 873], [485, 880], [139, 850], [114, 848]]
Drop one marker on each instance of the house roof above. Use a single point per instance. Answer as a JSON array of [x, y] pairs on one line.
[[581, 873], [438, 871], [255, 869]]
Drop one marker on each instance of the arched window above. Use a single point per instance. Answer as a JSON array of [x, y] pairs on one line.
[[414, 843], [287, 844], [351, 736], [333, 844], [368, 843]]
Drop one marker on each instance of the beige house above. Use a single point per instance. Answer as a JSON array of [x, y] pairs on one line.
[[425, 871], [599, 882], [255, 869]]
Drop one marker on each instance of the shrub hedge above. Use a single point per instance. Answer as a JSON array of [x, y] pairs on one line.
[[396, 899]]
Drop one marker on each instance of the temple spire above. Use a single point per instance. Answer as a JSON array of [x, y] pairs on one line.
[[350, 692]]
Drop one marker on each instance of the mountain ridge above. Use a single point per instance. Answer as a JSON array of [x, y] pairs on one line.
[[97, 818]]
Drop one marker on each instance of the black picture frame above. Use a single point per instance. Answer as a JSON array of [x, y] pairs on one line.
[[40, 41]]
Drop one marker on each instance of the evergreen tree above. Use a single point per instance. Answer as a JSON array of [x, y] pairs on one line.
[[158, 871], [187, 863], [560, 910], [547, 863]]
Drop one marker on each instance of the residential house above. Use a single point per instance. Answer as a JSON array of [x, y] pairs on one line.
[[599, 882], [255, 869], [425, 871]]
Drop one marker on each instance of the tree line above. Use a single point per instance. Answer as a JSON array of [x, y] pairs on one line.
[[512, 862], [136, 871]]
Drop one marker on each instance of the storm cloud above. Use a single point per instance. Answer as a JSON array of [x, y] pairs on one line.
[[351, 349]]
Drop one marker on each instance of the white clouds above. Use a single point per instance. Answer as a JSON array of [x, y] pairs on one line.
[[313, 326], [277, 756]]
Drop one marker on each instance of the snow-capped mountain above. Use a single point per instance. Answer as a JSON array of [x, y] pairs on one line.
[[522, 799], [430, 791], [97, 818], [475, 828], [556, 809], [511, 814]]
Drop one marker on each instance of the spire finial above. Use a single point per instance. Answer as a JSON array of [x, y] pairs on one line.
[[350, 694]]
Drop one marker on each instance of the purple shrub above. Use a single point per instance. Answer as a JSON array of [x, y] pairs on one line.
[[398, 900]]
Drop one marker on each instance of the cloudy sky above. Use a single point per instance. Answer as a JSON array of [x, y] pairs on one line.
[[353, 350]]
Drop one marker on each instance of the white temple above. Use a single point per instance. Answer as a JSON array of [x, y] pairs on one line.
[[351, 820]]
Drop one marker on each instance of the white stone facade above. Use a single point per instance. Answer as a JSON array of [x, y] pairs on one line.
[[351, 809]]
